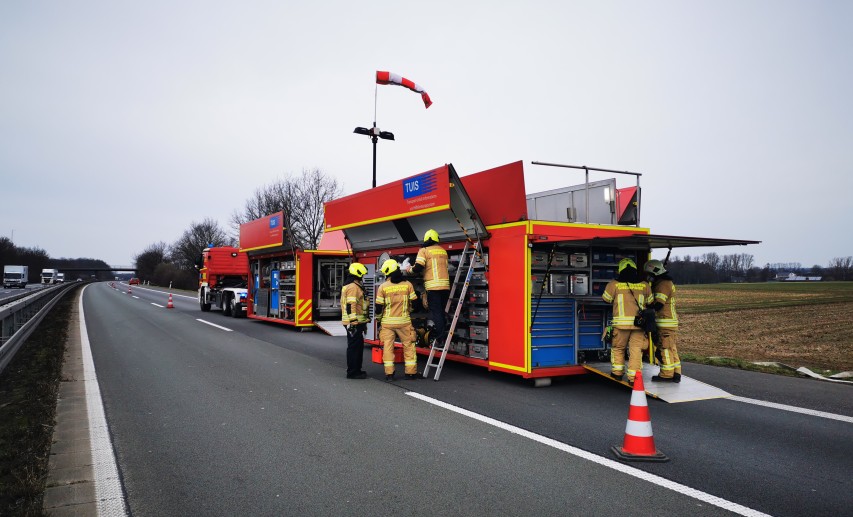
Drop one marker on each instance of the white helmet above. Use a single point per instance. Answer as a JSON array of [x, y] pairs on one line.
[[654, 267]]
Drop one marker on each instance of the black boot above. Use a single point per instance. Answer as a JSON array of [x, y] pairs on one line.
[[617, 377], [676, 377], [412, 376], [658, 378], [389, 377]]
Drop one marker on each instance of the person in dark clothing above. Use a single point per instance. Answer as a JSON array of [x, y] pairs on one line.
[[432, 261]]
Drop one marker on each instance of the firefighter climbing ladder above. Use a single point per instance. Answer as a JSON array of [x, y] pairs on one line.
[[470, 253]]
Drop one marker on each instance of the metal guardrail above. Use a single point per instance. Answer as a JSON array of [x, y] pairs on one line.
[[21, 314]]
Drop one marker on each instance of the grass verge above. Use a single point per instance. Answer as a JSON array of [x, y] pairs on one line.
[[731, 362], [28, 391]]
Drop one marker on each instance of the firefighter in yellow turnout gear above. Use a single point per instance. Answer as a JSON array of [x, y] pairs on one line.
[[667, 321], [432, 260], [354, 312], [628, 294], [394, 300]]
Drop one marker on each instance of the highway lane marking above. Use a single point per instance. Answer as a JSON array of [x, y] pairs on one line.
[[108, 491], [793, 409], [214, 325], [605, 462], [156, 305], [135, 296]]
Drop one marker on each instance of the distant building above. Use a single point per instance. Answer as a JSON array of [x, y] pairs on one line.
[[793, 277]]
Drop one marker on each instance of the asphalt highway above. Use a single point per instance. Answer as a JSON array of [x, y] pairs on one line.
[[253, 418]]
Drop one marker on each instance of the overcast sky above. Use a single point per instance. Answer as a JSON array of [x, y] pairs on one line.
[[121, 123]]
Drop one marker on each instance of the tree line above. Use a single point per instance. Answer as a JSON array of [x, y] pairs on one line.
[[711, 268], [300, 197], [37, 259]]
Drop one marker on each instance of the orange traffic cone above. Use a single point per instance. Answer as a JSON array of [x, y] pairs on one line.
[[129, 290], [170, 305], [639, 444]]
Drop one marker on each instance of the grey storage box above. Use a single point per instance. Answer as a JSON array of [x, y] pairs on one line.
[[479, 314], [580, 284], [578, 260], [478, 296], [479, 351], [478, 333], [560, 283], [560, 259]]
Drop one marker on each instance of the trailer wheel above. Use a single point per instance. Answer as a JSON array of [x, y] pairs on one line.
[[205, 307]]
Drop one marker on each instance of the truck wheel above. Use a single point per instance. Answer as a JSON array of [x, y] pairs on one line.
[[205, 307], [238, 310], [229, 307]]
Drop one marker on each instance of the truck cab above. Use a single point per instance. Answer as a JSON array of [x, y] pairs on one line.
[[223, 280]]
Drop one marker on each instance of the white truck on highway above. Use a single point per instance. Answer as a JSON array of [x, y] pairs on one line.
[[60, 278], [15, 276], [48, 276]]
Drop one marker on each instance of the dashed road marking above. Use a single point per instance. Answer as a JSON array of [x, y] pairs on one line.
[[214, 325]]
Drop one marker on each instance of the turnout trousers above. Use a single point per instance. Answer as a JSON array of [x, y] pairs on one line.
[[670, 362], [355, 350], [406, 335], [635, 341], [437, 301]]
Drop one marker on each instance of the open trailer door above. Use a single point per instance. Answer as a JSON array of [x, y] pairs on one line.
[[688, 389], [398, 214]]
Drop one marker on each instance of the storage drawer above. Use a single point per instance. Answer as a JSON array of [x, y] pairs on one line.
[[478, 278], [478, 333], [560, 259], [479, 314], [580, 285], [478, 296], [552, 356], [539, 259], [578, 260], [536, 283], [559, 283], [479, 351], [590, 342]]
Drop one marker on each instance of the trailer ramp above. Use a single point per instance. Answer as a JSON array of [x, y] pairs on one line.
[[688, 390], [332, 327]]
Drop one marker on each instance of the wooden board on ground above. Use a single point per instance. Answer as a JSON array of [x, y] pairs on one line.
[[332, 327], [688, 390]]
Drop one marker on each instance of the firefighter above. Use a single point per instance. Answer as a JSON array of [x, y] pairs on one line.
[[663, 290], [629, 294], [354, 317], [394, 301], [432, 260]]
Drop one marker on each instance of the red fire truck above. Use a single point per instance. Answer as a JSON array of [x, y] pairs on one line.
[[223, 278], [292, 286], [533, 306]]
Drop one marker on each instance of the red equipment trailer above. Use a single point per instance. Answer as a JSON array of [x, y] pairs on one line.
[[533, 307]]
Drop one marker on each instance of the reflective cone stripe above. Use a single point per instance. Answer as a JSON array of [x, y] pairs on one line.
[[170, 305], [639, 443]]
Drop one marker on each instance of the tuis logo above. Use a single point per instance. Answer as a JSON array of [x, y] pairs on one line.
[[419, 185], [274, 222]]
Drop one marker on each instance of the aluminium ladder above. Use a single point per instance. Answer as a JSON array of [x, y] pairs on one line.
[[470, 253]]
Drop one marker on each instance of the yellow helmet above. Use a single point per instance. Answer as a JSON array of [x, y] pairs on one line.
[[431, 235], [389, 266], [357, 269], [654, 267], [626, 262]]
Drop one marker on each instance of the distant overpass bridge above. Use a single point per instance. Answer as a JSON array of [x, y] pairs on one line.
[[115, 269]]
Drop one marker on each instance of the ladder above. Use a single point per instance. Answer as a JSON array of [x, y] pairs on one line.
[[470, 252]]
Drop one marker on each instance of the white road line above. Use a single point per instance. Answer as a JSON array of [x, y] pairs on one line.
[[167, 293], [135, 296], [214, 325], [615, 465], [108, 491], [794, 409], [156, 305]]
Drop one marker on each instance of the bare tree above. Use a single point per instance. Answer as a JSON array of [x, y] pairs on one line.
[[186, 251], [300, 198], [841, 267]]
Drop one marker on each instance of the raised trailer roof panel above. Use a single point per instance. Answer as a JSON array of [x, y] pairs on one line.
[[650, 241], [399, 213], [498, 193]]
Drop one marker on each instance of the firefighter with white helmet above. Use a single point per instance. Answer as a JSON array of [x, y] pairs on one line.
[[629, 294], [432, 260], [394, 301], [354, 312], [663, 290]]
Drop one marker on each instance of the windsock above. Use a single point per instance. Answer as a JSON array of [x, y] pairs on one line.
[[390, 78]]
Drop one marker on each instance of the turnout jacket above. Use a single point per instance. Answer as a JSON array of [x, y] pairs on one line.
[[353, 303], [628, 299], [664, 293], [397, 300], [434, 261]]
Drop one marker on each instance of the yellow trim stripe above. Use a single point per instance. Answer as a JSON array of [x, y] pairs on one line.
[[506, 225], [510, 367], [588, 225], [265, 246], [528, 307], [390, 218]]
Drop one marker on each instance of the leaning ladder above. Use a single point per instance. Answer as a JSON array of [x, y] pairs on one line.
[[470, 253]]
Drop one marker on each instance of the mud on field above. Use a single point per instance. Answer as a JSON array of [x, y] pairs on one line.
[[814, 336]]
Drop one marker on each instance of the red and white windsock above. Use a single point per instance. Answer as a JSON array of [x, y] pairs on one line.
[[639, 444], [389, 78]]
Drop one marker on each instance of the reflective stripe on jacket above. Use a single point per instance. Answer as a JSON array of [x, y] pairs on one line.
[[434, 261]]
